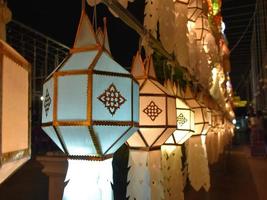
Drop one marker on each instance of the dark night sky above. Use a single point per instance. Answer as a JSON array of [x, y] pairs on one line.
[[59, 19]]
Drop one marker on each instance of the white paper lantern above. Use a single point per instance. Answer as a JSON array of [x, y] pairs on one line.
[[185, 119], [201, 115], [15, 140], [90, 102], [157, 109]]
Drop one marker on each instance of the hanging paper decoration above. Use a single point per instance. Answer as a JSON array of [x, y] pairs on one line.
[[157, 123], [198, 170], [167, 31], [195, 8], [181, 39], [150, 23], [15, 142], [90, 105], [172, 172]]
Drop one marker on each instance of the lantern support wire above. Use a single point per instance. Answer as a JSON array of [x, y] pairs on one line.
[[245, 31]]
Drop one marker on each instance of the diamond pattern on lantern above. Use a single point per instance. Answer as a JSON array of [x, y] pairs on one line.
[[152, 110], [47, 102], [181, 120], [112, 99]]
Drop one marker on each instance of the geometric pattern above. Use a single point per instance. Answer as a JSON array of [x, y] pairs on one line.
[[47, 102], [112, 99], [181, 120], [152, 110]]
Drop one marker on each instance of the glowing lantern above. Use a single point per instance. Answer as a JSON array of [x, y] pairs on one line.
[[15, 111], [185, 119], [201, 114], [90, 104], [157, 123], [195, 8], [157, 113]]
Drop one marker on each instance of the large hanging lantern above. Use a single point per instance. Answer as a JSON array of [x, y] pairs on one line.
[[15, 147], [90, 107], [157, 123], [185, 118]]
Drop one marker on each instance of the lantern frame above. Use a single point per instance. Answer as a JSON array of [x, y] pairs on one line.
[[89, 122], [201, 28]]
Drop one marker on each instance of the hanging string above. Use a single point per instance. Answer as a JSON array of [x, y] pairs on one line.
[[95, 17], [245, 31]]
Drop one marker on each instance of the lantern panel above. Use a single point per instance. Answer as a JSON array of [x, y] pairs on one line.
[[47, 107], [149, 87], [74, 106], [199, 118], [171, 112], [14, 108], [151, 134], [164, 137], [136, 141], [135, 102], [153, 110], [181, 136], [182, 1], [50, 131], [105, 63], [107, 139], [180, 104], [81, 59], [183, 119], [122, 140], [192, 103], [111, 98], [77, 140], [195, 8]]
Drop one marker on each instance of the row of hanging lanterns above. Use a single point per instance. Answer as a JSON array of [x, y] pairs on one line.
[[92, 106]]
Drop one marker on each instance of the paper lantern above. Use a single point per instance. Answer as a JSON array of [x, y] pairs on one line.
[[157, 123], [185, 119], [90, 102], [195, 8], [182, 1], [15, 147], [201, 115], [157, 108]]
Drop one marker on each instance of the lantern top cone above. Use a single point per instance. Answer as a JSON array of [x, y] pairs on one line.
[[157, 108], [91, 103]]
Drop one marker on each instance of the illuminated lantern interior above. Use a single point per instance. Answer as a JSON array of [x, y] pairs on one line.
[[195, 8]]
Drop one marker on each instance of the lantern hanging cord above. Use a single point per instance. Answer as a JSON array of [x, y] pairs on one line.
[[246, 30], [95, 17]]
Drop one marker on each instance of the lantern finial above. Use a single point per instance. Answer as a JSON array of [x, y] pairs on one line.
[[150, 69], [85, 36], [138, 68]]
